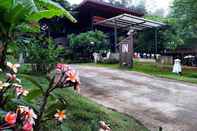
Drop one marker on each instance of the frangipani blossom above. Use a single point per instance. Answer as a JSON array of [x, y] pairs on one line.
[[2, 85], [31, 116], [65, 75], [71, 76], [10, 118], [103, 126], [28, 113], [21, 91], [14, 67], [63, 67], [27, 126], [13, 77], [16, 85], [23, 115], [10, 76], [60, 115]]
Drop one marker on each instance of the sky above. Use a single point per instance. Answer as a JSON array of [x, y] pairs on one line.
[[151, 5]]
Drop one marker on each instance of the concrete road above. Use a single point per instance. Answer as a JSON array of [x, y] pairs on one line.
[[153, 101]]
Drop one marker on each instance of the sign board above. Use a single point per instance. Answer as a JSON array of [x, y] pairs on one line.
[[126, 51], [125, 48]]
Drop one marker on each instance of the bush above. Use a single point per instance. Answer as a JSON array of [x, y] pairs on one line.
[[84, 44], [42, 53], [109, 61]]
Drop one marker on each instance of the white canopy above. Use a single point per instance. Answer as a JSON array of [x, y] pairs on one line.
[[127, 22]]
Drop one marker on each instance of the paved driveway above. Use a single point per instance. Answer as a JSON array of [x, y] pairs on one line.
[[153, 101]]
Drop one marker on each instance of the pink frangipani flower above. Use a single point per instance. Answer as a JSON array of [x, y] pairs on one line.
[[10, 118], [14, 67], [27, 126]]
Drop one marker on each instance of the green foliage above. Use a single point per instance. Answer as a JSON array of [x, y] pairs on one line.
[[185, 12], [17, 12], [39, 51], [43, 50], [109, 61], [139, 7], [84, 44], [167, 37], [23, 15]]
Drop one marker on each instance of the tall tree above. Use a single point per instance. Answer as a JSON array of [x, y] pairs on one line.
[[185, 12], [167, 37], [141, 6], [129, 4], [121, 3]]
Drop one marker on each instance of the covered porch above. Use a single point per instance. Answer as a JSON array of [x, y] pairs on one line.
[[129, 24]]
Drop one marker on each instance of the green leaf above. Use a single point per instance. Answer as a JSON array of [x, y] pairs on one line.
[[2, 112], [54, 8], [65, 127], [50, 14], [24, 103], [6, 4], [28, 28], [34, 82], [33, 94]]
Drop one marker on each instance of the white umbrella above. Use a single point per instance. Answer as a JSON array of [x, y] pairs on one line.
[[189, 56]]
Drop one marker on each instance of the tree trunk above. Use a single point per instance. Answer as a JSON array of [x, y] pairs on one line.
[[3, 52]]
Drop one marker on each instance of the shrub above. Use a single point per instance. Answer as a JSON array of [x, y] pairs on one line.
[[84, 44], [109, 61], [42, 53]]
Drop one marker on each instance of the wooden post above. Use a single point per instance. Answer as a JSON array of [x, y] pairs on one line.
[[115, 36], [130, 53], [156, 41]]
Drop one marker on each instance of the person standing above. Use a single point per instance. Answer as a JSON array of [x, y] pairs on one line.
[[177, 67]]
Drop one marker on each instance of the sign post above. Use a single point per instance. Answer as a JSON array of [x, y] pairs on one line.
[[126, 52]]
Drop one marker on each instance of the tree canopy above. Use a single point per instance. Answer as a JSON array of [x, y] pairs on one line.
[[185, 12]]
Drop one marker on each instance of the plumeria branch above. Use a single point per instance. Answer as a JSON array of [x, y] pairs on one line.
[[43, 105], [8, 84], [64, 77]]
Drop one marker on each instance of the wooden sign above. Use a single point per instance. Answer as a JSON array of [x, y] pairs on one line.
[[126, 52], [125, 48]]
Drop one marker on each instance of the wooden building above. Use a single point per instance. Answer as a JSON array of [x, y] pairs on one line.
[[187, 53], [87, 13], [113, 21]]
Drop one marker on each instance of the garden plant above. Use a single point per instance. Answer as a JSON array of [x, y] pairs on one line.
[[19, 16], [18, 113]]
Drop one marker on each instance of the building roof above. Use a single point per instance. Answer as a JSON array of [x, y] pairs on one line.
[[127, 22], [106, 7]]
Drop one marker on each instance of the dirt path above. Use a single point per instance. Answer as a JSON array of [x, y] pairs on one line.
[[153, 101]]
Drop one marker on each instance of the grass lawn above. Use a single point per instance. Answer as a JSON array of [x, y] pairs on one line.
[[165, 71], [83, 114]]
